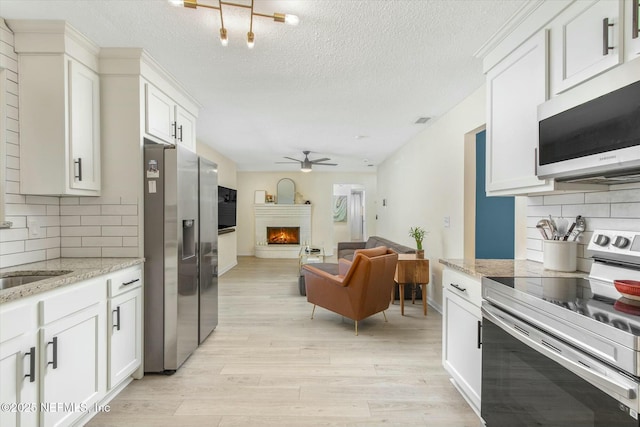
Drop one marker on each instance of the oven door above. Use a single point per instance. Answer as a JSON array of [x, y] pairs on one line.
[[530, 378]]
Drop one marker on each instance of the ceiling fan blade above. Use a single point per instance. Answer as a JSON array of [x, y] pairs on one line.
[[325, 164], [291, 158], [288, 162], [324, 159]]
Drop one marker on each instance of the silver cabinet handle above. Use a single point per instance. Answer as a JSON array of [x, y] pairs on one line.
[[458, 287], [78, 162], [32, 364], [54, 362], [634, 18], [605, 36]]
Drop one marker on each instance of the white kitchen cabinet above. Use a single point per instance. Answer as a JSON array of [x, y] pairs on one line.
[[515, 87], [632, 29], [73, 351], [586, 40], [168, 121], [59, 110], [125, 328], [19, 365], [461, 334]]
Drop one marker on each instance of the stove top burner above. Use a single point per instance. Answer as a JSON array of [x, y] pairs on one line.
[[587, 297]]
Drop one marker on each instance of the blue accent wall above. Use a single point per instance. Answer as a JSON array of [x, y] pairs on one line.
[[495, 222]]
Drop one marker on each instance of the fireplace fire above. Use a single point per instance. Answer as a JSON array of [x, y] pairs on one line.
[[283, 235]]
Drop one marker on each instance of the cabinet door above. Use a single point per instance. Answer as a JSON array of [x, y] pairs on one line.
[[19, 381], [515, 88], [84, 127], [186, 131], [632, 29], [73, 365], [125, 336], [160, 115], [461, 350], [583, 45]]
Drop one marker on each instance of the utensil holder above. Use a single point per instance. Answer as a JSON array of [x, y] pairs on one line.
[[560, 255]]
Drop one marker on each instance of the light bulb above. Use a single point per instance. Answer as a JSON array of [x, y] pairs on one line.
[[177, 3], [250, 40], [223, 37], [291, 19]]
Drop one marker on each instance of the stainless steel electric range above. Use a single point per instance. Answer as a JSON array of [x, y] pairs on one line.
[[564, 351]]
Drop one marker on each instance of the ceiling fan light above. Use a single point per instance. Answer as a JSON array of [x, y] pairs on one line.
[[224, 40], [291, 19], [250, 40], [305, 169], [177, 3]]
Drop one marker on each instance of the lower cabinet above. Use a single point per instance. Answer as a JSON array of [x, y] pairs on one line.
[[462, 322], [61, 354]]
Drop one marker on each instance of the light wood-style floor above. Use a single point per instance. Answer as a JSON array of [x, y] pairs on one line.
[[268, 364]]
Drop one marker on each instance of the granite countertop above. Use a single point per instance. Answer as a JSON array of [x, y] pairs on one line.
[[505, 268], [76, 270]]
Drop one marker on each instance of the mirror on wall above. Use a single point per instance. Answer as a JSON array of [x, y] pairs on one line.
[[286, 192]]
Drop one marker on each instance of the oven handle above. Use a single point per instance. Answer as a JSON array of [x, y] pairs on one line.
[[593, 377]]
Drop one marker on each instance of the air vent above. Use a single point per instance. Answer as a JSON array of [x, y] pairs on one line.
[[422, 120]]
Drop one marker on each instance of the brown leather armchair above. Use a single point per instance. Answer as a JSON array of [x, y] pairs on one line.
[[360, 289]]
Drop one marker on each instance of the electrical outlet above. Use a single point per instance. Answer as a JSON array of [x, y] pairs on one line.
[[447, 222], [34, 228]]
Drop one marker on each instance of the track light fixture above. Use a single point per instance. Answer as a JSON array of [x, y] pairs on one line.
[[224, 40]]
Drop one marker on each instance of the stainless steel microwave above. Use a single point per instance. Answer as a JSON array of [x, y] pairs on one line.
[[595, 139]]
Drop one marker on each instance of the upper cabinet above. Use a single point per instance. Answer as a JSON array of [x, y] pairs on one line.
[[549, 52], [59, 109], [632, 29], [586, 40], [512, 123], [168, 121]]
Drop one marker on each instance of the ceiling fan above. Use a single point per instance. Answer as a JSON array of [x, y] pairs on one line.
[[305, 165]]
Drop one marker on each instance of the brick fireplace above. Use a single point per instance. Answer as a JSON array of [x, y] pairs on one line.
[[281, 230]]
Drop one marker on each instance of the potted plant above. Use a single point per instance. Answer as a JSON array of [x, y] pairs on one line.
[[418, 234]]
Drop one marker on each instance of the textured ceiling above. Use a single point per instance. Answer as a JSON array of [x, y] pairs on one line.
[[347, 83]]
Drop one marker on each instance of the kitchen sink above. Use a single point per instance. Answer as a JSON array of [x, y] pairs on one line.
[[11, 280]]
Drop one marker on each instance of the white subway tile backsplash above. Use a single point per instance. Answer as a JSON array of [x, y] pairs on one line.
[[18, 221], [12, 234], [564, 199], [119, 209], [53, 210], [120, 231], [12, 150], [46, 243], [129, 220], [101, 241], [12, 187], [625, 210], [14, 198], [129, 201], [44, 221], [101, 220], [12, 162], [80, 252], [80, 231], [53, 231], [631, 224], [602, 210], [13, 209], [69, 200], [71, 242], [544, 211], [12, 174], [100, 200], [71, 220], [53, 253], [11, 247], [80, 210], [120, 252], [43, 200], [617, 196], [129, 241], [23, 258]]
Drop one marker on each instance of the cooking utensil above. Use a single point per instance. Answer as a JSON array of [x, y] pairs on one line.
[[568, 233], [561, 226], [553, 228], [541, 226], [581, 225]]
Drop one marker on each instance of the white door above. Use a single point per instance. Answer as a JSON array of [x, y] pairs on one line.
[[71, 361], [586, 40], [19, 381], [125, 337], [84, 135], [160, 115]]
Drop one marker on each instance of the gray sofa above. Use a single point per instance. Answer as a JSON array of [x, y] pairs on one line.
[[346, 250]]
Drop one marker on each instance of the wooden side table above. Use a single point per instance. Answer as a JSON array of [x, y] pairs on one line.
[[412, 270]]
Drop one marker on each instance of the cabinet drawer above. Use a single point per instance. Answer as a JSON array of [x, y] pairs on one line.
[[463, 285], [17, 319], [73, 299], [125, 280]]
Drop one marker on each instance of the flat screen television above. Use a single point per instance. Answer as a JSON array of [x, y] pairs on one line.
[[227, 198]]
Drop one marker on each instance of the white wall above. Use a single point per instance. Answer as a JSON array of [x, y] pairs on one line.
[[227, 243], [423, 183], [314, 186]]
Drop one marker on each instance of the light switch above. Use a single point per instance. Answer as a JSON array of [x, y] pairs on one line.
[[34, 228], [447, 222]]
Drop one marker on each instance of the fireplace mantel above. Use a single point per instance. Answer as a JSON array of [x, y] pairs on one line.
[[274, 215]]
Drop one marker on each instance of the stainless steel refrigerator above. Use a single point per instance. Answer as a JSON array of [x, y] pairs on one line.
[[181, 254]]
